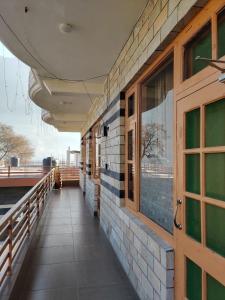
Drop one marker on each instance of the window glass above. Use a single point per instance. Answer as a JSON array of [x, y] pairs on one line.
[[156, 180], [131, 182], [215, 175], [215, 228], [193, 129], [193, 173], [193, 219], [215, 124], [221, 33], [215, 290], [193, 281], [199, 45], [131, 102], [130, 145]]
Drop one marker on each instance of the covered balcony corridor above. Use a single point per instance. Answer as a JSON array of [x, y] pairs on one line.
[[70, 257]]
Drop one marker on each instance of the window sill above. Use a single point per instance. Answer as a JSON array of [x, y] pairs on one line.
[[164, 238]]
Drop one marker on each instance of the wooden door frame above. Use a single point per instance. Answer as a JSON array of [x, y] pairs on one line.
[[209, 261], [182, 89]]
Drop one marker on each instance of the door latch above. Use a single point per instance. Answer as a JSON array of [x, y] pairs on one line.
[[177, 225]]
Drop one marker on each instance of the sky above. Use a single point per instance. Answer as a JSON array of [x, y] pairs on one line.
[[18, 111]]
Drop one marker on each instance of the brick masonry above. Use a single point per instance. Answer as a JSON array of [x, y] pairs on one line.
[[145, 257], [159, 24]]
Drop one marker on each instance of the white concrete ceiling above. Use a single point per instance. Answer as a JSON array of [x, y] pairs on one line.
[[99, 31]]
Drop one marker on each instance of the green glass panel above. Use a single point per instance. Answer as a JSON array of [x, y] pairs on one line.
[[202, 48], [193, 129], [215, 228], [199, 45], [193, 281], [215, 290], [193, 173], [193, 219], [215, 124], [221, 33], [215, 175]]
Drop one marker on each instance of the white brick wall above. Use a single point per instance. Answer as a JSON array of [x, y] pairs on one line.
[[147, 260], [145, 257]]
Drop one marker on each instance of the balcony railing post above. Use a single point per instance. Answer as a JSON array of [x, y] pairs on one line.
[[49, 183], [37, 202], [28, 217], [9, 171], [17, 224], [10, 242]]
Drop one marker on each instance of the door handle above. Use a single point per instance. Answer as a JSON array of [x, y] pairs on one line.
[[177, 225]]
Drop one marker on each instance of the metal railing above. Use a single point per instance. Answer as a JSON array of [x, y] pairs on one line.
[[21, 172], [17, 224], [69, 174]]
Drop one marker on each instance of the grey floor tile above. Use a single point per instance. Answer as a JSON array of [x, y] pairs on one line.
[[98, 273], [95, 252], [57, 229], [53, 276], [53, 255], [71, 257], [59, 294], [54, 240], [57, 221], [113, 292]]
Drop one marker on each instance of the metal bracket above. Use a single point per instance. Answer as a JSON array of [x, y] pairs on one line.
[[212, 62]]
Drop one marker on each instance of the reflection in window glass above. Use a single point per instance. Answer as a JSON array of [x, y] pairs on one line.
[[156, 182], [131, 105], [131, 182], [130, 144]]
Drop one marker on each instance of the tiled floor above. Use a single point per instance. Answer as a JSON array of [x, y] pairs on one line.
[[71, 258]]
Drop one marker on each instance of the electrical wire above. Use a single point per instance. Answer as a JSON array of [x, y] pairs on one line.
[[4, 77], [86, 89], [16, 90], [52, 75]]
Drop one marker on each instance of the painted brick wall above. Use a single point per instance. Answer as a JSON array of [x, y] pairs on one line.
[[146, 258], [90, 194], [86, 182], [160, 22], [83, 181]]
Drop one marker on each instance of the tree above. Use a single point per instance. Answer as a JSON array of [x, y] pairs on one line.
[[12, 144], [153, 136]]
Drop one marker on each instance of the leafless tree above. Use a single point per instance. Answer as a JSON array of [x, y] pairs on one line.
[[12, 144], [153, 136]]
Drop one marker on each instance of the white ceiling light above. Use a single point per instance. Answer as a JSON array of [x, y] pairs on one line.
[[65, 27]]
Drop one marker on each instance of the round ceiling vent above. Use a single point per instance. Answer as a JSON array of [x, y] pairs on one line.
[[65, 27]]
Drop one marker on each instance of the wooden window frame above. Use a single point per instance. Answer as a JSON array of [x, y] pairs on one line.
[[215, 22], [181, 89], [134, 206], [95, 129], [131, 124], [194, 41], [207, 15], [84, 154]]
